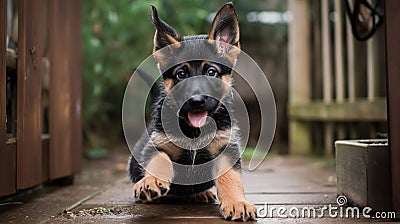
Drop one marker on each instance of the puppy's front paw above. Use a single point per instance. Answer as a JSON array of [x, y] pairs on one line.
[[238, 210], [150, 188]]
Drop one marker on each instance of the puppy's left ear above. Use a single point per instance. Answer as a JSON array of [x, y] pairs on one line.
[[225, 29], [165, 35]]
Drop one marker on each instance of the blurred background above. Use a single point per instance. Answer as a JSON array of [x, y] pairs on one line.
[[328, 67]]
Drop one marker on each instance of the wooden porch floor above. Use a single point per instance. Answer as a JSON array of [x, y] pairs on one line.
[[105, 195]]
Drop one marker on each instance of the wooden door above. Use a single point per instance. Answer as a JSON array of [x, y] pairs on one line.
[[48, 31]]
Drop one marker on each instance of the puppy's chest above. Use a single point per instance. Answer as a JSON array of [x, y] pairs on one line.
[[194, 157], [190, 153]]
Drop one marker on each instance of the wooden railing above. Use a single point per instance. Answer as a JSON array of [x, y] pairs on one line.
[[337, 84], [47, 48]]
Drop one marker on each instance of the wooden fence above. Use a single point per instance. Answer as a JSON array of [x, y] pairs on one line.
[[337, 84], [40, 93]]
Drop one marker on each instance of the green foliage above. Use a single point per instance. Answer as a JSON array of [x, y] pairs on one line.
[[249, 152]]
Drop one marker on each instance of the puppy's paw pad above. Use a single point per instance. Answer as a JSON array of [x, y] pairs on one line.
[[150, 188], [238, 210]]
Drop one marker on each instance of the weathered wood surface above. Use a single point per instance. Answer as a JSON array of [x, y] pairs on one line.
[[280, 182]]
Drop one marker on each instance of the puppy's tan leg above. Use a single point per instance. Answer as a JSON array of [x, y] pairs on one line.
[[157, 179], [231, 195]]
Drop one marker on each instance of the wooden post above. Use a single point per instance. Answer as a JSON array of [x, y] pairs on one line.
[[351, 69], [372, 74], [392, 9], [299, 73], [339, 61], [326, 53], [372, 67], [351, 62], [30, 51], [65, 88], [339, 56], [316, 58], [327, 74]]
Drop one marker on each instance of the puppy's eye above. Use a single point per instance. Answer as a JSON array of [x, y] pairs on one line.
[[181, 74], [211, 71]]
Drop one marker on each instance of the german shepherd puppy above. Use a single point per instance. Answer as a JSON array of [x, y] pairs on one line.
[[200, 91]]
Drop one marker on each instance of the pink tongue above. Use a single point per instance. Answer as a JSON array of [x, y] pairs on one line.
[[197, 119]]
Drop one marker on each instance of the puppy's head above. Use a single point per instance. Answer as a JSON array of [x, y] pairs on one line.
[[197, 69]]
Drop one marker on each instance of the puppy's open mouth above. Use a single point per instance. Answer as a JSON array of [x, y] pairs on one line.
[[197, 119]]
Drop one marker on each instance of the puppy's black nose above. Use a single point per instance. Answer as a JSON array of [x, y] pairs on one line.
[[197, 101]]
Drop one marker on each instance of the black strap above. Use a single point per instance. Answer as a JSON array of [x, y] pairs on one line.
[[353, 16]]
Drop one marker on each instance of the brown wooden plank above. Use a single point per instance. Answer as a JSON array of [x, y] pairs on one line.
[[7, 154], [76, 61], [30, 51], [392, 19], [65, 79], [45, 158], [8, 169], [3, 47]]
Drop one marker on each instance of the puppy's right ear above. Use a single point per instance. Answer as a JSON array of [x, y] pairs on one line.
[[225, 29], [165, 35]]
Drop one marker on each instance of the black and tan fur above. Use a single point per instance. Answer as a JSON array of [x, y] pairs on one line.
[[154, 181]]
